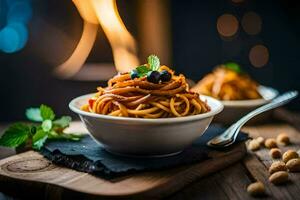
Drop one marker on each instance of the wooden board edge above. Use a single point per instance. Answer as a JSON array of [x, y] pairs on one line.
[[166, 188]]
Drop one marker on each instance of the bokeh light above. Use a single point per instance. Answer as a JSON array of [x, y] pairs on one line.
[[14, 17], [22, 31], [227, 25], [251, 23], [259, 55], [9, 40]]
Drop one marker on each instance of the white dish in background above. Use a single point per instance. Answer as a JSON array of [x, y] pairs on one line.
[[234, 110], [145, 137]]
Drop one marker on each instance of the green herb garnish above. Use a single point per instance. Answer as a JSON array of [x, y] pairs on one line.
[[153, 65], [142, 70], [15, 135], [233, 66], [49, 128], [153, 62]]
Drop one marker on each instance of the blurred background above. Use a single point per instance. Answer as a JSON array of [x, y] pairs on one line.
[[54, 50]]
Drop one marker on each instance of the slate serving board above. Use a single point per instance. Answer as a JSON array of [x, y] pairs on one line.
[[89, 156]]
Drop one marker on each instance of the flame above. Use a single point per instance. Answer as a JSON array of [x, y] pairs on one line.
[[105, 13], [122, 43]]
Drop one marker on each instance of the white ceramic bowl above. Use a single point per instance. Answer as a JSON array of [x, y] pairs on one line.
[[145, 137], [234, 110]]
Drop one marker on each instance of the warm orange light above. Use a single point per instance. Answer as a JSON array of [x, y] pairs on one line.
[[86, 10], [259, 55], [105, 13], [74, 63], [227, 25], [251, 23], [122, 43]]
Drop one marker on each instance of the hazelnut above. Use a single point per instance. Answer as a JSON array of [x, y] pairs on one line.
[[260, 140], [270, 143], [253, 145], [275, 153], [293, 165], [279, 177], [256, 189], [283, 139], [288, 155], [277, 166]]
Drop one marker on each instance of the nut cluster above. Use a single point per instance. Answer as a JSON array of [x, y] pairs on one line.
[[279, 169]]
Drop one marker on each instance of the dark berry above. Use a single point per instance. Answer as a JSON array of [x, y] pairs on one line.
[[165, 76], [134, 74], [153, 76]]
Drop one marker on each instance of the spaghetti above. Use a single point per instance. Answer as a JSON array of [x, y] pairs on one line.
[[139, 98], [227, 84]]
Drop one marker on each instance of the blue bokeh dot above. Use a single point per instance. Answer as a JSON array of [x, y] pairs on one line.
[[9, 40], [22, 31], [14, 16]]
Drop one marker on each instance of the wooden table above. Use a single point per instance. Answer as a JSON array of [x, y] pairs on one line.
[[230, 183]]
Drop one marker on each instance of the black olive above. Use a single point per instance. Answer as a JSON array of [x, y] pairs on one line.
[[153, 76], [134, 74], [165, 76]]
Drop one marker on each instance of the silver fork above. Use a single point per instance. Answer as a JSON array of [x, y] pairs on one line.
[[229, 136]]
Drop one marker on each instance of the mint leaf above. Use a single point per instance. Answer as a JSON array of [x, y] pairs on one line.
[[53, 134], [233, 66], [73, 137], [62, 122], [46, 112], [47, 125], [39, 139], [142, 70], [153, 62], [65, 136], [39, 135], [18, 134], [34, 114], [15, 135]]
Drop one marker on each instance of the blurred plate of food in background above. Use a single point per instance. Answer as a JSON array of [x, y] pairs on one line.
[[238, 92]]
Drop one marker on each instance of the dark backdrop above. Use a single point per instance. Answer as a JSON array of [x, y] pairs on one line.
[[198, 47], [26, 76]]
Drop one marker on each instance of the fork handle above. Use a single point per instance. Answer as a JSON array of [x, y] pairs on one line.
[[278, 101]]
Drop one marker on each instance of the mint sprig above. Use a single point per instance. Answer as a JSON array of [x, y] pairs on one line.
[[49, 128], [153, 62], [153, 65], [233, 66], [142, 70], [62, 122], [15, 135], [39, 114], [47, 112], [39, 138], [34, 114]]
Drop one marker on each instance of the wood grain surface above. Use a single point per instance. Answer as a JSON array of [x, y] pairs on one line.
[[229, 183], [32, 167]]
